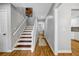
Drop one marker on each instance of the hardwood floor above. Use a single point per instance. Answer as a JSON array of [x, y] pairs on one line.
[[75, 48], [44, 51], [39, 51], [64, 54]]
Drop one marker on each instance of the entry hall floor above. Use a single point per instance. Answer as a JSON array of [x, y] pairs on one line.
[[39, 51]]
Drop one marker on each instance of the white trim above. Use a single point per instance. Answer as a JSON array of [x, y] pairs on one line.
[[56, 32], [34, 36], [62, 51], [65, 51], [32, 50], [25, 35], [26, 39], [24, 43], [7, 51], [22, 48]]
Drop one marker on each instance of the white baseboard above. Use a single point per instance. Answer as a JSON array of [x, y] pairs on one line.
[[64, 51], [7, 51], [22, 48], [22, 43]]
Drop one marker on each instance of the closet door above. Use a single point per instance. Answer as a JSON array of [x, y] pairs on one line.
[[3, 31]]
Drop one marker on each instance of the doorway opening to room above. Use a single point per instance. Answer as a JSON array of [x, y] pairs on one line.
[[75, 31]]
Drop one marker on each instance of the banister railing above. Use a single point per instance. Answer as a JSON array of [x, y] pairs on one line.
[[34, 35]]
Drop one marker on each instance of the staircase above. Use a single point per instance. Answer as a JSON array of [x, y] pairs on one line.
[[25, 40], [28, 38]]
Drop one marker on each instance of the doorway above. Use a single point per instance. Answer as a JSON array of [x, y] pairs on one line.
[[75, 32]]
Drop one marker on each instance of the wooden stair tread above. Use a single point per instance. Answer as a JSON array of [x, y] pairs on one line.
[[25, 37], [25, 34], [28, 28], [19, 46], [24, 41], [27, 31]]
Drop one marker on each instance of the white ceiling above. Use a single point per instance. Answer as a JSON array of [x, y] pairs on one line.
[[39, 9]]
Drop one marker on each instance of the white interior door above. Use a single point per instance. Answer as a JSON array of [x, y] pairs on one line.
[[40, 26], [3, 30]]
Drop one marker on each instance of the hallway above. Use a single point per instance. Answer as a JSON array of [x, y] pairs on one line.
[[55, 20]]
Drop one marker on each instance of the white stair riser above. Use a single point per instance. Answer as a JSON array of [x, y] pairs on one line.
[[28, 27], [27, 43], [27, 30], [26, 36], [22, 48], [26, 33], [25, 39]]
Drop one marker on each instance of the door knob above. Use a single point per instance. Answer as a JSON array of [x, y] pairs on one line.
[[4, 33]]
